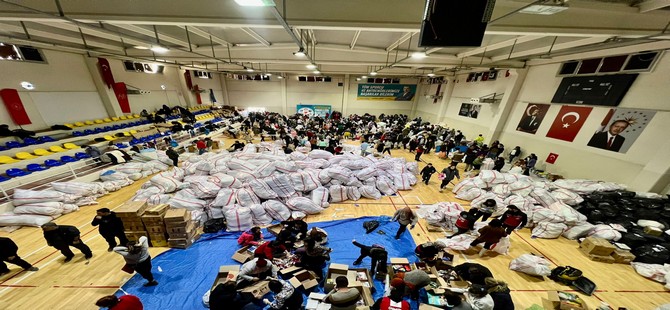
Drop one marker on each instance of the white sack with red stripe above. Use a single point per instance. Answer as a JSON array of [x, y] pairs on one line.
[[24, 196], [338, 193], [277, 210], [225, 197], [605, 232], [260, 216], [531, 264], [246, 197], [281, 185], [353, 193], [320, 196], [547, 230], [303, 204], [238, 218]]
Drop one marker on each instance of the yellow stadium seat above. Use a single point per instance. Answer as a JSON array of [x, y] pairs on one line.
[[56, 149], [41, 152], [136, 115], [107, 120], [133, 131], [70, 125], [123, 117], [7, 160], [98, 121], [24, 155], [109, 138], [70, 146], [79, 124], [89, 122], [115, 118], [126, 134]]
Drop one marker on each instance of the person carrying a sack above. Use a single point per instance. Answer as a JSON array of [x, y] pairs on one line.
[[489, 235], [138, 259]]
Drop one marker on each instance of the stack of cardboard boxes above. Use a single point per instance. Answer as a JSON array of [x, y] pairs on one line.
[[153, 222], [131, 215], [182, 231], [601, 250], [359, 278]]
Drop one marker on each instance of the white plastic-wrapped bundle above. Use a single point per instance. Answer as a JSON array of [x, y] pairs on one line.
[[353, 193], [370, 192], [166, 184], [24, 196], [277, 210], [547, 230], [543, 196], [321, 163], [242, 175], [521, 187], [520, 202], [85, 201], [79, 188], [307, 164], [458, 243], [385, 186], [471, 194], [225, 180], [225, 197], [491, 177], [502, 190], [281, 185], [260, 216], [323, 176], [203, 167], [355, 164], [238, 164], [464, 186], [186, 201], [298, 155], [158, 199], [41, 208], [320, 197], [412, 167], [110, 186], [303, 204], [384, 164], [304, 181], [176, 173], [321, 154], [129, 168], [567, 196], [338, 193], [195, 158], [578, 231], [433, 214], [112, 175], [286, 166], [69, 208], [238, 218], [531, 264], [605, 232], [353, 181], [339, 173], [487, 164], [205, 189], [265, 170], [570, 215], [145, 193], [11, 219], [262, 190], [219, 169], [246, 197], [546, 215]]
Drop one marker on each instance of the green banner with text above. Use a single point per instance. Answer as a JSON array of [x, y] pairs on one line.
[[390, 92]]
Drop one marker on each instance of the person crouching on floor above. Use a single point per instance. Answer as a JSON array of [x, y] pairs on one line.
[[250, 237], [286, 296], [489, 235], [255, 270], [427, 252]]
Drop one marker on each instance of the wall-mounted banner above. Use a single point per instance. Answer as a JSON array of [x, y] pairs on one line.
[[620, 128], [470, 110], [390, 92], [568, 122], [532, 117], [313, 110]]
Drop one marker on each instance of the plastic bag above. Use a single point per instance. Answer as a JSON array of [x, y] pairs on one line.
[[338, 193], [531, 264], [25, 196], [578, 231], [277, 210], [281, 185], [303, 204], [320, 196], [547, 230], [502, 246], [238, 218]]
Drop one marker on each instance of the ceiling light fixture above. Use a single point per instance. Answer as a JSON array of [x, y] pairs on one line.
[[358, 79], [27, 85], [316, 72], [249, 69], [311, 66], [140, 47], [300, 53], [373, 73], [268, 74], [364, 77], [419, 55], [280, 77], [547, 7], [159, 49], [255, 2], [431, 74], [163, 87]]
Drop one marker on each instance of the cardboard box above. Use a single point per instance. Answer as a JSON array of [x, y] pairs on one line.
[[563, 301], [305, 279], [596, 246], [152, 220], [226, 274], [314, 301], [182, 243], [334, 271], [159, 242], [653, 231], [133, 227], [131, 209], [275, 229], [177, 216], [623, 256], [134, 236], [157, 210], [184, 228], [256, 290], [287, 273], [155, 229], [243, 255], [399, 264]]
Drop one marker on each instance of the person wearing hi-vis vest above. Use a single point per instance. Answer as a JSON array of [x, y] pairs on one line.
[[513, 218]]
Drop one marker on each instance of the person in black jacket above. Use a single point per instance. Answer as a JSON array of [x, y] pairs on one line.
[[225, 296], [111, 227], [427, 172], [474, 273], [8, 253], [172, 154], [62, 237]]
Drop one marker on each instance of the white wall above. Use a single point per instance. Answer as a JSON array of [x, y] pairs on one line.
[[265, 94], [318, 93], [425, 107]]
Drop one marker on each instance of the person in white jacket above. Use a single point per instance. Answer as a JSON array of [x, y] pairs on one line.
[[477, 296], [255, 270], [138, 259]]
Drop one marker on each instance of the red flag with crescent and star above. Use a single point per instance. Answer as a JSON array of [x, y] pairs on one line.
[[551, 159], [14, 106], [121, 92], [106, 72], [568, 122]]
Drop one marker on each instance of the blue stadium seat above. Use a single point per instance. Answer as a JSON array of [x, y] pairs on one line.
[[30, 141], [116, 127], [13, 144], [98, 130], [88, 132], [3, 178], [135, 141], [15, 172], [35, 167], [81, 155], [52, 163], [45, 139], [68, 159], [121, 145]]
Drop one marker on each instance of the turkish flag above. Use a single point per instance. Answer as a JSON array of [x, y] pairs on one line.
[[121, 93], [187, 77], [568, 122], [14, 106], [106, 72], [196, 91], [551, 158]]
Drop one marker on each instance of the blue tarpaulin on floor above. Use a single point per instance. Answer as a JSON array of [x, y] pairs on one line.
[[185, 275]]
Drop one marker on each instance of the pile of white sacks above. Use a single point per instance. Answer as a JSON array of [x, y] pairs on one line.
[[34, 208], [547, 204], [261, 183]]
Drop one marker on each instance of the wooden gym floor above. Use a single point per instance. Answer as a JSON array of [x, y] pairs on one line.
[[76, 285]]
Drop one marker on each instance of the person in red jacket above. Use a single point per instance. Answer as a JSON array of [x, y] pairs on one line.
[[489, 235], [201, 146], [513, 218], [250, 237], [394, 301], [269, 250], [464, 222], [125, 302]]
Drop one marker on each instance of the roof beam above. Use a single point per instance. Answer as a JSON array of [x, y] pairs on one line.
[[204, 34], [256, 36], [499, 45], [548, 49], [151, 33], [355, 38], [401, 40], [61, 37], [651, 5], [95, 33]]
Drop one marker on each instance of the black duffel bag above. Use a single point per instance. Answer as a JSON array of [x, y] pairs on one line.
[[214, 225], [652, 254], [633, 239]]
